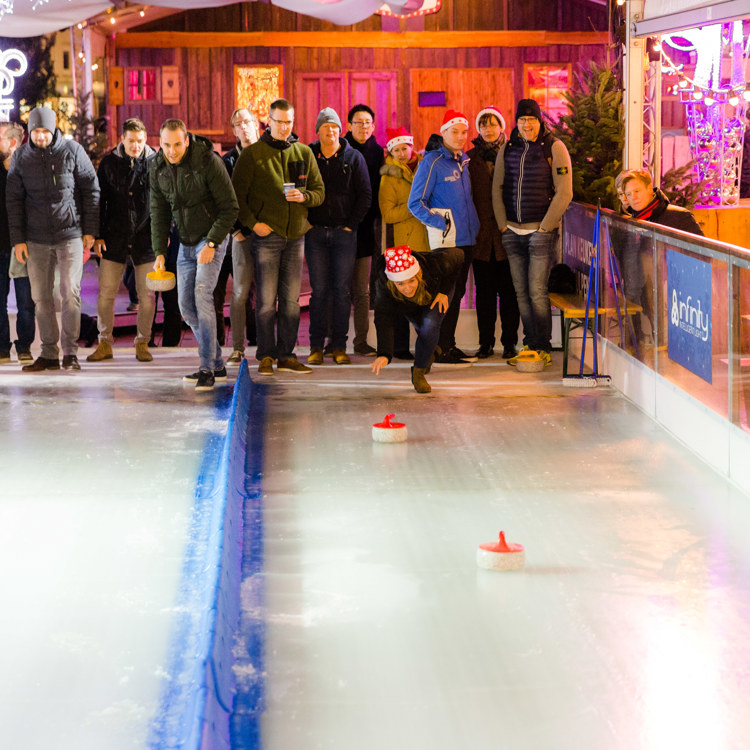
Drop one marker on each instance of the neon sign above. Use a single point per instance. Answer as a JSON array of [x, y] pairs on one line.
[[12, 65]]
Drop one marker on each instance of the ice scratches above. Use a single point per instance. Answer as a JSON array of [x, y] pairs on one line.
[[124, 716], [78, 644]]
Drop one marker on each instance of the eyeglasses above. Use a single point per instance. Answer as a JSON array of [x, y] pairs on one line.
[[527, 120], [363, 123], [287, 123]]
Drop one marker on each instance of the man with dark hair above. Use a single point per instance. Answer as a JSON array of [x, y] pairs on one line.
[[531, 188], [11, 137], [124, 232], [361, 138], [190, 186], [53, 214], [276, 180]]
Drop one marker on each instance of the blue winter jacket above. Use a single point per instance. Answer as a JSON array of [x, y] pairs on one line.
[[442, 181]]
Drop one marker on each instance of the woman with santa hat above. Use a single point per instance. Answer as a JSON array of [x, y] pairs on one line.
[[419, 286]]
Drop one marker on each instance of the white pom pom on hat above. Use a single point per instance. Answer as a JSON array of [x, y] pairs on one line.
[[400, 264]]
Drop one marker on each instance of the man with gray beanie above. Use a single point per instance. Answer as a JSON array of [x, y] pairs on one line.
[[531, 188], [53, 214], [331, 244]]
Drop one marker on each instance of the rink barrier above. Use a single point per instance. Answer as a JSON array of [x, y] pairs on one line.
[[196, 702]]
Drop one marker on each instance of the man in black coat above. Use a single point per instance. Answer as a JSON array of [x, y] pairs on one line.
[[125, 232], [53, 214]]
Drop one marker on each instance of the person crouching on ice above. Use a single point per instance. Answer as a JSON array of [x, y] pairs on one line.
[[420, 287]]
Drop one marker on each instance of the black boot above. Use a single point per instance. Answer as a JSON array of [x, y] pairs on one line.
[[418, 380]]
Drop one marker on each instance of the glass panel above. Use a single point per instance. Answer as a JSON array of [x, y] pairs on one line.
[[741, 339], [547, 84], [134, 90], [148, 79]]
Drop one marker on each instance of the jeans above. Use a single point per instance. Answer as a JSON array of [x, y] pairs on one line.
[[25, 329], [531, 258], [242, 281], [448, 333], [427, 324], [42, 261], [493, 280], [110, 274], [278, 275], [330, 255], [195, 284]]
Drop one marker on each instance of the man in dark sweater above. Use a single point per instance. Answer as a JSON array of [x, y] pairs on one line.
[[331, 244], [11, 136], [361, 138]]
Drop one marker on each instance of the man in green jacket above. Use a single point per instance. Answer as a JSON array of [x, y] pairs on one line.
[[276, 180], [190, 186]]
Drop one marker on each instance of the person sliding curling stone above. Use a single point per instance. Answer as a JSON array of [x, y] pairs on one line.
[[420, 287]]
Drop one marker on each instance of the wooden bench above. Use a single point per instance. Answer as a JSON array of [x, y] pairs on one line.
[[572, 309]]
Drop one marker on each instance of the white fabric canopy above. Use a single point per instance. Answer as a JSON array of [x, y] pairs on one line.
[[21, 19]]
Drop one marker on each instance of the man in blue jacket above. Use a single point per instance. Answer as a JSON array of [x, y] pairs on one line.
[[53, 215], [331, 244], [442, 182]]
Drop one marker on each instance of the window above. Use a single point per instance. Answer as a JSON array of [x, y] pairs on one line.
[[141, 84], [547, 84]]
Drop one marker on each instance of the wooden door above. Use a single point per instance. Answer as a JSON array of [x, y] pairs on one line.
[[312, 92], [379, 91], [467, 91]]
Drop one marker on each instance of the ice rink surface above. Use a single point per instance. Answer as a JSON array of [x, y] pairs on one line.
[[628, 628]]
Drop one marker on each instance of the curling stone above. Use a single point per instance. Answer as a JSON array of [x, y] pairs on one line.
[[160, 281], [529, 361], [389, 432], [500, 555]]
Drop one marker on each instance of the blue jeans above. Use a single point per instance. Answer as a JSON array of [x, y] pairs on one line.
[[42, 261], [531, 258], [278, 275], [25, 329], [242, 281], [330, 255], [427, 325], [195, 292]]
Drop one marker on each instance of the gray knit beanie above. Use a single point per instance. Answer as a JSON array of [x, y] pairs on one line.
[[327, 114], [42, 117]]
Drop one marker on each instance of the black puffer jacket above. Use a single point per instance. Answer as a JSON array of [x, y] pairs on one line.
[[125, 224], [348, 190], [52, 193], [197, 193]]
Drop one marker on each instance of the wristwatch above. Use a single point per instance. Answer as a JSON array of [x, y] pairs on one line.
[[212, 245]]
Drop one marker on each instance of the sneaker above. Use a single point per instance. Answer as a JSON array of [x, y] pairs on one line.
[[236, 357], [509, 352], [450, 358], [194, 377], [142, 354], [463, 355], [365, 350], [4, 357], [485, 352], [316, 357], [70, 362], [25, 356], [205, 380], [42, 363], [103, 351], [293, 365], [513, 361], [546, 356], [340, 357], [266, 366]]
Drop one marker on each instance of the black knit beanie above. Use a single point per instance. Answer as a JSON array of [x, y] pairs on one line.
[[528, 108]]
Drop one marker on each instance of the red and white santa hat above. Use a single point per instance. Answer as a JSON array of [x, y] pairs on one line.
[[492, 111], [397, 136], [400, 264], [453, 118]]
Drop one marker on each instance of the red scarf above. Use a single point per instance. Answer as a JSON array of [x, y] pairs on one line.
[[645, 214]]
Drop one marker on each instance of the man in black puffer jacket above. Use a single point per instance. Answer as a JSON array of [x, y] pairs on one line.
[[190, 185], [125, 231], [53, 215]]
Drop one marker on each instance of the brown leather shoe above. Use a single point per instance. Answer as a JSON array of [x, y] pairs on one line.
[[340, 357], [42, 363], [316, 357], [103, 351]]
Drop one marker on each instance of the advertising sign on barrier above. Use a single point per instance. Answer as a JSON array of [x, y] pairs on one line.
[[689, 306]]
